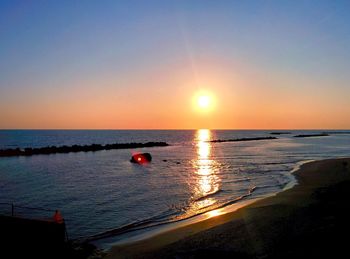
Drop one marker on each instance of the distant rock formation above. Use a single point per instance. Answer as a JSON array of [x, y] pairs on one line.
[[240, 139], [336, 132], [280, 133], [311, 135], [76, 148]]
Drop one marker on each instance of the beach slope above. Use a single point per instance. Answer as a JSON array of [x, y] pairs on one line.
[[309, 220]]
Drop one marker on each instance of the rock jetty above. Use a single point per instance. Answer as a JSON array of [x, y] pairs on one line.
[[76, 148], [311, 135], [240, 139], [280, 133]]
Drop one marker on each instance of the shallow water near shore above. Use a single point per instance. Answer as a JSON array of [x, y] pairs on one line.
[[101, 194], [142, 234]]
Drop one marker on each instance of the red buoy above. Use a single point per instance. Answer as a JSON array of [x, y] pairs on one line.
[[141, 158]]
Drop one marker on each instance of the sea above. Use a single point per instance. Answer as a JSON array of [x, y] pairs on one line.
[[101, 194]]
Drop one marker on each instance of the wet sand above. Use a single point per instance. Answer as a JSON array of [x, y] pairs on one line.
[[309, 220]]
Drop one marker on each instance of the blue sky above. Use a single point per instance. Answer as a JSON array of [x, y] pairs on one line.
[[47, 47]]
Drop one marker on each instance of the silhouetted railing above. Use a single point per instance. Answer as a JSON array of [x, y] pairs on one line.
[[30, 213], [10, 209]]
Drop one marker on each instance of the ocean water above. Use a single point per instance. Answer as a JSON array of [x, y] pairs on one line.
[[102, 193]]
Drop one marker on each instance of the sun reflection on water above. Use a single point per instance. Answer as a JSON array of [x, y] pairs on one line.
[[206, 182]]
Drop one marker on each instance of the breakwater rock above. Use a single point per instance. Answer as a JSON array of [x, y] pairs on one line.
[[311, 135], [240, 139], [279, 133], [76, 148]]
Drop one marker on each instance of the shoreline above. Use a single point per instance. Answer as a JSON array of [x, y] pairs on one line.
[[179, 240], [127, 238]]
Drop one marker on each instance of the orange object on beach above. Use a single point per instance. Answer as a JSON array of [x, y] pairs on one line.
[[58, 217]]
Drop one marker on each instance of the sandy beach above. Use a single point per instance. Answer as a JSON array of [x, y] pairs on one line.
[[308, 220]]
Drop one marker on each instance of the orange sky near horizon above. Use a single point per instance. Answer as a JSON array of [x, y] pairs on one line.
[[242, 101]]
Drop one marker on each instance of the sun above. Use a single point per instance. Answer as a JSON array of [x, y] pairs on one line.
[[203, 101]]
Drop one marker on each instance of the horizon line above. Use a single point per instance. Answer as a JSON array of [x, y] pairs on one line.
[[172, 129]]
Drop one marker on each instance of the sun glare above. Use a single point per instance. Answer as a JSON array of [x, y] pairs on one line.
[[203, 101]]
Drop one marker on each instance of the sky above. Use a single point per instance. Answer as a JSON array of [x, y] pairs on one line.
[[141, 64]]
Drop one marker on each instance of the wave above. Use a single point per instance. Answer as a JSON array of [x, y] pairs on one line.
[[137, 225], [278, 185], [241, 180], [162, 219], [209, 195]]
